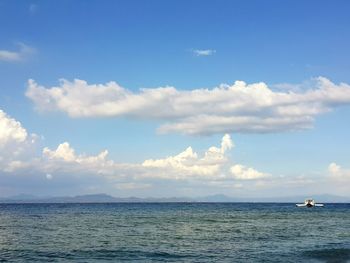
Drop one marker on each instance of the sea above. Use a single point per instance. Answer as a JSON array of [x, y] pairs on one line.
[[174, 232]]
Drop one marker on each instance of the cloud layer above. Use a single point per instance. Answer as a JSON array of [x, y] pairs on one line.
[[241, 107], [185, 173], [18, 157]]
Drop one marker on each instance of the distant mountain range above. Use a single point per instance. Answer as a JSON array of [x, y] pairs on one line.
[[104, 198]]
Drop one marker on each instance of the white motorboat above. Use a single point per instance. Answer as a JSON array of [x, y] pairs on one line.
[[309, 203]]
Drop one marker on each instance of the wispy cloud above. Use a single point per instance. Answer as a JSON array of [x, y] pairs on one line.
[[15, 56], [203, 52], [33, 8]]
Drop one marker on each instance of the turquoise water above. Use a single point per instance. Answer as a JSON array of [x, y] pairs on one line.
[[189, 232]]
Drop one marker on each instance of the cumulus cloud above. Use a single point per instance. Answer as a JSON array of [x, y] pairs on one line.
[[188, 163], [338, 173], [338, 178], [241, 107], [203, 52], [211, 169], [211, 165], [11, 131], [20, 153], [333, 168], [14, 56], [242, 172], [16, 145], [64, 159], [65, 152]]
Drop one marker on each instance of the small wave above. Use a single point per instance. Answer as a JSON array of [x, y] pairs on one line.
[[335, 255], [96, 254]]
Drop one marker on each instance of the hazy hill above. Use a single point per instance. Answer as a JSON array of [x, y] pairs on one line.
[[104, 198]]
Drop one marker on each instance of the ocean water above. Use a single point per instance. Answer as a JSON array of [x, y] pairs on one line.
[[174, 232]]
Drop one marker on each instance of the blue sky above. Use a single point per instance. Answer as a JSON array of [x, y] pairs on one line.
[[189, 46]]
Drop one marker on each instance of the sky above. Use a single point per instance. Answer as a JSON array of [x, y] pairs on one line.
[[174, 98]]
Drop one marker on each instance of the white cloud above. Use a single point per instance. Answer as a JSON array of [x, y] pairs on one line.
[[188, 163], [14, 56], [242, 172], [338, 173], [226, 143], [11, 131], [333, 168], [241, 107], [19, 154], [204, 52], [212, 169], [64, 159], [338, 179], [16, 145], [187, 169], [63, 151]]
